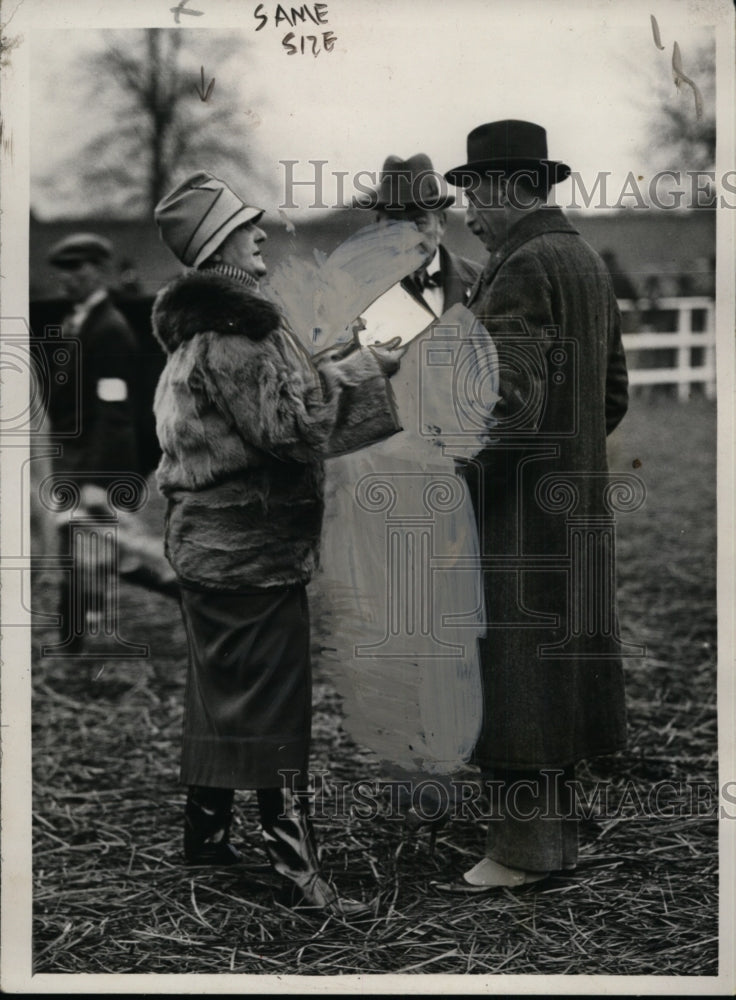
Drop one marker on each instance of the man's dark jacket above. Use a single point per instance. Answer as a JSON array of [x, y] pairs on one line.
[[105, 438]]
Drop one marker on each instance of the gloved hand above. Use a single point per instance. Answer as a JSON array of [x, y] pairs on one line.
[[389, 355]]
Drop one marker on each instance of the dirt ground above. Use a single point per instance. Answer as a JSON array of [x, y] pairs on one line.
[[111, 893]]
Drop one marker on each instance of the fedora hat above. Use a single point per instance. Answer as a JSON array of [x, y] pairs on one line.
[[412, 183], [507, 146], [197, 216]]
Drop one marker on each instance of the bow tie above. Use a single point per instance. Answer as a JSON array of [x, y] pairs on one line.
[[425, 280]]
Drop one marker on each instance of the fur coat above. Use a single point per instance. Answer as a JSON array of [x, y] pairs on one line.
[[245, 419]]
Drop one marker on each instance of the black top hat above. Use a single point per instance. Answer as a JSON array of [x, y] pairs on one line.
[[507, 146], [80, 248], [412, 183]]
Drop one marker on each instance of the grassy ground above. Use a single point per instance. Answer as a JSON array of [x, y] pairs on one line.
[[112, 896]]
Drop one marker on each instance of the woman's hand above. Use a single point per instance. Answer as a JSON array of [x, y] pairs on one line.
[[356, 328]]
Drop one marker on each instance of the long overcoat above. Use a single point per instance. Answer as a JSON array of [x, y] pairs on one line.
[[552, 673]]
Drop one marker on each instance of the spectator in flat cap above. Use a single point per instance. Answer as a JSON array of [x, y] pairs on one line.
[[95, 400], [80, 248], [412, 191]]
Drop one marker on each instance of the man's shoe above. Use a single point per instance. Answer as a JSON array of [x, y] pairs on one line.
[[487, 876]]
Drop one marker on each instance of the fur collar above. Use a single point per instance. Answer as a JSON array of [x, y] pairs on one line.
[[202, 301]]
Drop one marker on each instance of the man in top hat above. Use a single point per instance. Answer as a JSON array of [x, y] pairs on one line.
[[95, 402], [412, 191], [553, 683]]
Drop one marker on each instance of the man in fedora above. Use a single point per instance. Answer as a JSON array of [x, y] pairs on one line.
[[412, 191], [553, 691]]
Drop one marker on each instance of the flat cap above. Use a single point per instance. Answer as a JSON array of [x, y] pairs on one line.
[[80, 248]]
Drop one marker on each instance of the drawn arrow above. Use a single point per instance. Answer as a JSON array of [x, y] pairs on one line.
[[680, 78], [655, 32], [204, 94], [176, 11]]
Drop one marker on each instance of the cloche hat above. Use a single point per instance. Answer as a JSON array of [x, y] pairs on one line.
[[197, 216]]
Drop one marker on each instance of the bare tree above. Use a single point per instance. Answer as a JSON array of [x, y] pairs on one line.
[[145, 85]]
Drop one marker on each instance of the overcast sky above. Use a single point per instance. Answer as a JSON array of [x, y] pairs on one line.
[[402, 77]]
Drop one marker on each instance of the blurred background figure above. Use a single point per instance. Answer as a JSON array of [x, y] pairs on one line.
[[92, 409], [628, 295], [96, 401], [655, 319], [623, 286], [128, 280]]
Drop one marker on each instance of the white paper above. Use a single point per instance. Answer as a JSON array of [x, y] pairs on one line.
[[396, 313]]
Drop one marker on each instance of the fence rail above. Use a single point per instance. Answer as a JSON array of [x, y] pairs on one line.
[[691, 344]]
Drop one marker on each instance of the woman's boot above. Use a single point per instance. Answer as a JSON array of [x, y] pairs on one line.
[[207, 818], [290, 845]]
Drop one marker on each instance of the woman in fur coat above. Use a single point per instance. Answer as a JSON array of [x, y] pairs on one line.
[[245, 420]]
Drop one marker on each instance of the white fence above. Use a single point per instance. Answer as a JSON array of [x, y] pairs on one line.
[[683, 339]]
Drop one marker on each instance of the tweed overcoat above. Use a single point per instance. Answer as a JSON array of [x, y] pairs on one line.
[[553, 690], [245, 420]]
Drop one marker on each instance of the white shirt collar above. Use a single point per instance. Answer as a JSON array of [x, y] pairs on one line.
[[81, 310], [86, 307], [435, 263]]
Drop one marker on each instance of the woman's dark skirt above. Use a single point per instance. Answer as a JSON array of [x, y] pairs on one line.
[[248, 705]]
